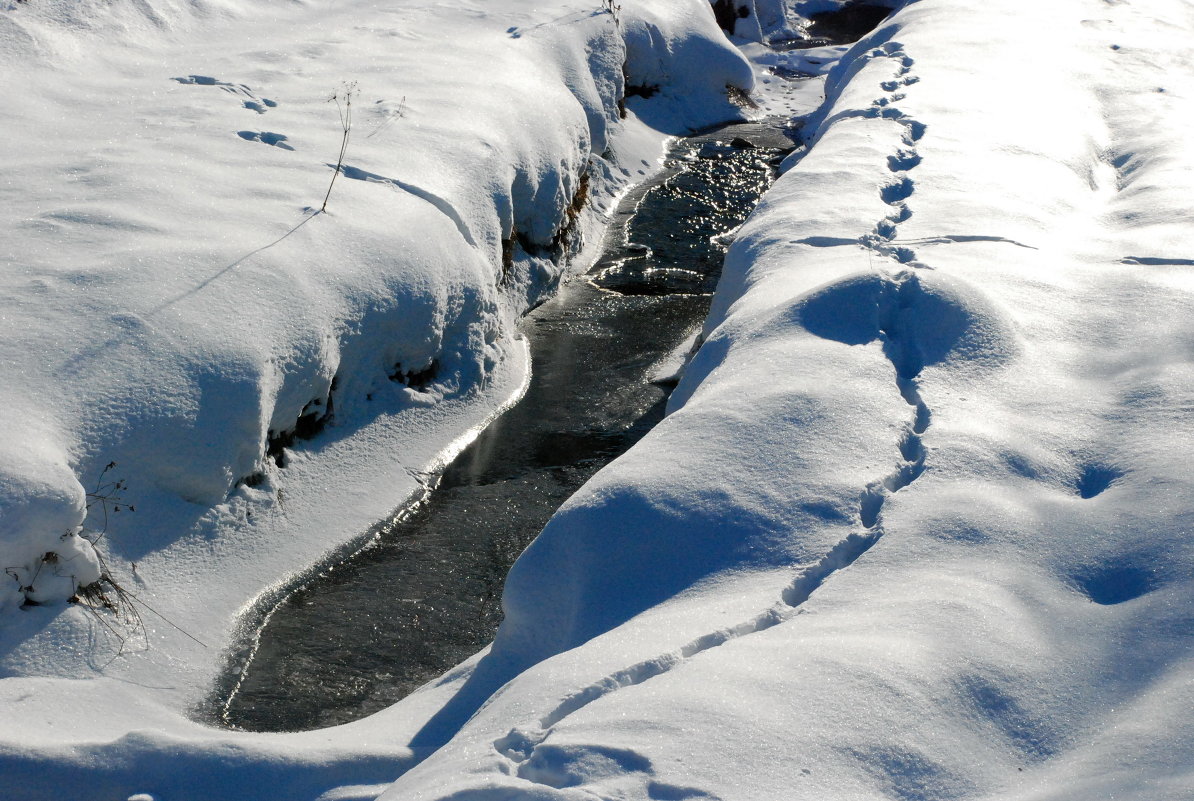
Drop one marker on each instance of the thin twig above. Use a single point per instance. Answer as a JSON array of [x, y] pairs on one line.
[[106, 493], [345, 92], [614, 10]]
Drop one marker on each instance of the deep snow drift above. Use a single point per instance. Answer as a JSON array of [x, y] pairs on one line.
[[917, 526]]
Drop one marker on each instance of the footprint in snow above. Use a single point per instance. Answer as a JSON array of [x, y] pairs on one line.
[[265, 137], [1096, 478], [1118, 580], [261, 107], [897, 192], [903, 160]]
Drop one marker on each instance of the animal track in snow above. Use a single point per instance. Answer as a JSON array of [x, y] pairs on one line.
[[903, 160], [906, 80], [1116, 581], [260, 108], [1096, 478], [524, 745], [895, 193], [248, 99], [900, 292], [266, 138], [900, 164]]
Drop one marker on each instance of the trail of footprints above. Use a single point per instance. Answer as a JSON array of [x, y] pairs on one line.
[[242, 92], [901, 163], [250, 101], [901, 289]]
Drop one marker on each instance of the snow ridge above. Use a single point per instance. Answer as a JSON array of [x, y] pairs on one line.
[[520, 743], [203, 362], [900, 292], [192, 336], [900, 289]]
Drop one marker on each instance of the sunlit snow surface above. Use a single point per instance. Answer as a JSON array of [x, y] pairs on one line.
[[917, 527]]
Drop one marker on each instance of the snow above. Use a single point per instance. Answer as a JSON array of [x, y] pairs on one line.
[[173, 304], [917, 525]]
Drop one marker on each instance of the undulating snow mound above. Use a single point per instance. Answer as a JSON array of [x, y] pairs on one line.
[[918, 525]]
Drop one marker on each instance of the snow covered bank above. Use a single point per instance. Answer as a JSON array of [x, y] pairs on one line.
[[918, 526], [270, 381], [175, 306]]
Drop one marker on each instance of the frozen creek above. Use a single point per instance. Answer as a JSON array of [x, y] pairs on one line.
[[424, 593]]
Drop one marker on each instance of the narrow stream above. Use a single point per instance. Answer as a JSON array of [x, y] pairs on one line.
[[426, 593]]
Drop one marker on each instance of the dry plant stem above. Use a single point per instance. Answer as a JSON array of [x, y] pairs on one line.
[[95, 601], [345, 111], [107, 493], [94, 597]]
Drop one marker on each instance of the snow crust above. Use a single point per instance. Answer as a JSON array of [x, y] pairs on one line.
[[917, 525]]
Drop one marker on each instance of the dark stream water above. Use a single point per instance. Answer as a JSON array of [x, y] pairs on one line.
[[426, 593]]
